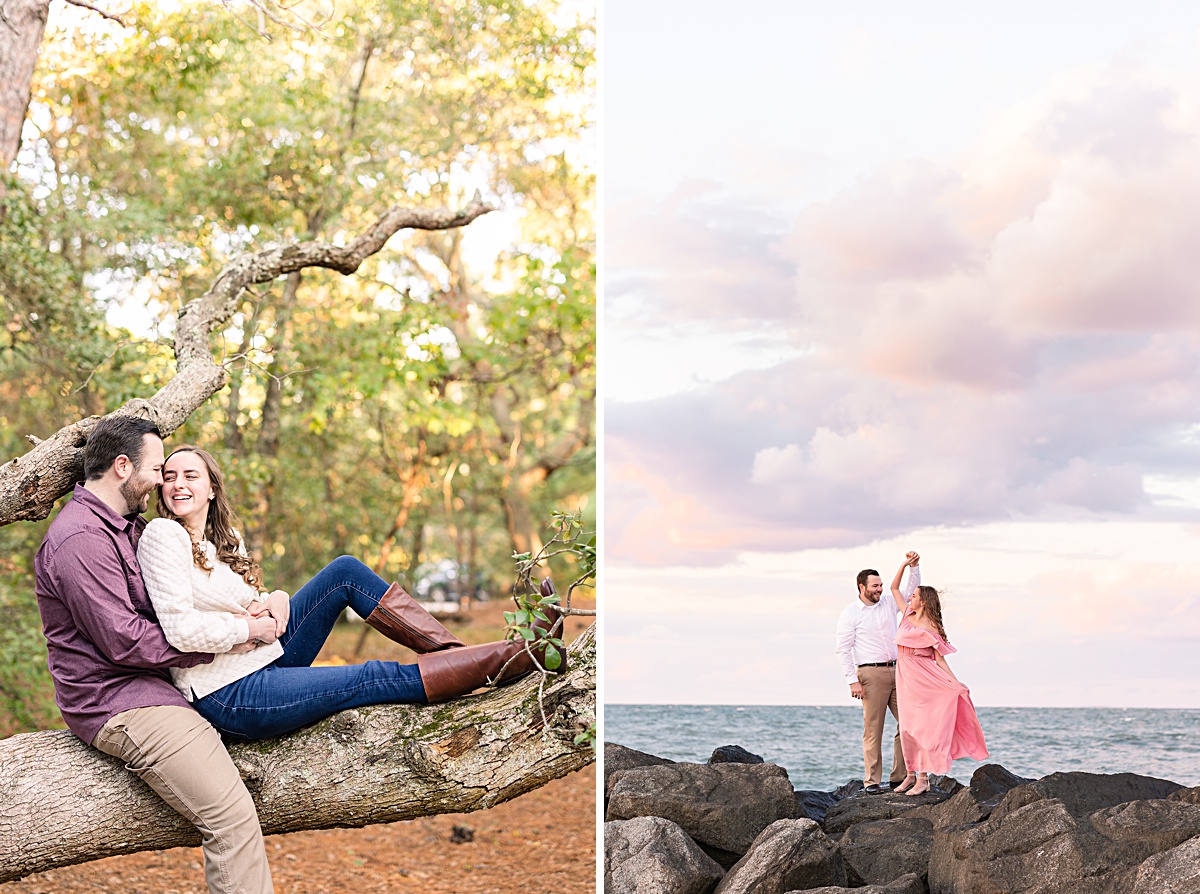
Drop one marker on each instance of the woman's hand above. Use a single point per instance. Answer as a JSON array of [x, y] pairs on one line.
[[279, 607], [912, 559], [262, 629]]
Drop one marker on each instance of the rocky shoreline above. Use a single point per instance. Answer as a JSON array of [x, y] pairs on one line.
[[736, 825]]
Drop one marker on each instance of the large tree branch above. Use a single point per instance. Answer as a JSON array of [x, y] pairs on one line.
[[66, 803], [31, 484]]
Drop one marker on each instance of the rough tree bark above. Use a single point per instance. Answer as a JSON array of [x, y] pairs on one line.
[[31, 484], [66, 803], [22, 24]]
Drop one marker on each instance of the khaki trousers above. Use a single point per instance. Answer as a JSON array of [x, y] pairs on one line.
[[178, 754], [879, 695]]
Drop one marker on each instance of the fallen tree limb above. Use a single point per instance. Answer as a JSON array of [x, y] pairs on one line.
[[31, 484], [65, 803]]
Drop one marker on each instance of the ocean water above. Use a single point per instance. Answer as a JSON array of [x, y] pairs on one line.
[[821, 747]]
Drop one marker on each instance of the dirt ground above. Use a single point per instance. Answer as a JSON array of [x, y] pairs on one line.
[[541, 843]]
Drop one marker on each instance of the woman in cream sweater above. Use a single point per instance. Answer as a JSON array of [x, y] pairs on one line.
[[209, 597]]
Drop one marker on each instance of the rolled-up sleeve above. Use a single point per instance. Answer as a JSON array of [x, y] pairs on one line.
[[845, 646], [165, 554], [90, 579]]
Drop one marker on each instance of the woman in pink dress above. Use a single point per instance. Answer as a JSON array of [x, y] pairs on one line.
[[937, 719]]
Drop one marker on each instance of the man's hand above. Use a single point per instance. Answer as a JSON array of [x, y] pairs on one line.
[[856, 690], [279, 607], [248, 646], [913, 558]]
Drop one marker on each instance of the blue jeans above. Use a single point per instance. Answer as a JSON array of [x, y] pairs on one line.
[[288, 693]]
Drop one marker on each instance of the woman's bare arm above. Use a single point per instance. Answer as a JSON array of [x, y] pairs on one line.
[[941, 660]]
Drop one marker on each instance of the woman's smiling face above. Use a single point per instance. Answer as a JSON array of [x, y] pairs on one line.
[[187, 489]]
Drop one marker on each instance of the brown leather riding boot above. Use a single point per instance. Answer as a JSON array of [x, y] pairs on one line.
[[449, 674], [401, 619]]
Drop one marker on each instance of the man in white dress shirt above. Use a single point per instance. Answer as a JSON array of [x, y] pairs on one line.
[[866, 648]]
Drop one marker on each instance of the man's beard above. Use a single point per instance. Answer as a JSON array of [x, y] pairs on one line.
[[137, 501]]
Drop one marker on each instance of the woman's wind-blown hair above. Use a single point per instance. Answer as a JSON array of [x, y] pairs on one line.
[[933, 608]]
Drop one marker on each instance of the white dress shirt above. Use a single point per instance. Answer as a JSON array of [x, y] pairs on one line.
[[866, 634]]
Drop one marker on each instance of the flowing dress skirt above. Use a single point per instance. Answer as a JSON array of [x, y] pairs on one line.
[[937, 718]]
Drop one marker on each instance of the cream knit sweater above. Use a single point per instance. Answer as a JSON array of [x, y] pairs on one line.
[[199, 611]]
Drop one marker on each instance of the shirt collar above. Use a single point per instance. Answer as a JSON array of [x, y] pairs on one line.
[[103, 511]]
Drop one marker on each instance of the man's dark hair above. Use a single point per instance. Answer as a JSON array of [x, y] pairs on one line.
[[112, 437], [862, 575]]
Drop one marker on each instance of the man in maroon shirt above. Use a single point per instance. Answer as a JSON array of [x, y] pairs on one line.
[[109, 657]]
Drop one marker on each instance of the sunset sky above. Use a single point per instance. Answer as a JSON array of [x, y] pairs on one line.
[[882, 278]]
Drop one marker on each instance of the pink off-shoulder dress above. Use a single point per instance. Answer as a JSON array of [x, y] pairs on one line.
[[937, 719]]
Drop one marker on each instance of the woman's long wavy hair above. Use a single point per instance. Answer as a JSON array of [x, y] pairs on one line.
[[933, 608], [220, 528]]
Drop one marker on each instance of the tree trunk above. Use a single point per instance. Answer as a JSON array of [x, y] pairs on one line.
[[66, 803], [22, 24]]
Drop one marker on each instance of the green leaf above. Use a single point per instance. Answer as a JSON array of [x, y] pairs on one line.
[[553, 657]]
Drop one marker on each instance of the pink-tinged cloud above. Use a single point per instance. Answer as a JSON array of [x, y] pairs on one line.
[[1017, 336], [696, 256]]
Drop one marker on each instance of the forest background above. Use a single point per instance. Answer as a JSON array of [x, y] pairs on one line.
[[440, 403]]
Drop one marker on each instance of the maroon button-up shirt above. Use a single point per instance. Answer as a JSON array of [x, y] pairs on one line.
[[107, 652]]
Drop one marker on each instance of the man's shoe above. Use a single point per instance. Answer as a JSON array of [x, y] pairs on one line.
[[872, 789]]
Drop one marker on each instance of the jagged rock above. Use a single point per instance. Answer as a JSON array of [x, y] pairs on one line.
[[618, 758], [814, 805], [851, 788], [989, 784], [1042, 848], [1176, 871], [1083, 793], [722, 807], [865, 808], [875, 853], [1028, 850], [789, 854], [734, 754], [1186, 795], [910, 883], [947, 784], [652, 855]]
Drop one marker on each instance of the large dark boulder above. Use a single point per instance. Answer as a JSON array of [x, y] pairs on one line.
[[618, 758], [876, 853], [864, 808], [789, 854], [1083, 793], [734, 754], [989, 784], [910, 883], [722, 807], [1029, 850], [651, 855], [1176, 871], [1042, 848], [814, 805]]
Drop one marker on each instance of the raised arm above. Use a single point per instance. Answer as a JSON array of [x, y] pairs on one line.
[[911, 562]]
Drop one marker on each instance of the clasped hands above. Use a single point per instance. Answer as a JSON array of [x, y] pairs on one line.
[[267, 621]]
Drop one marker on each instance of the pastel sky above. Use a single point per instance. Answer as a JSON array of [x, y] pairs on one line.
[[881, 277]]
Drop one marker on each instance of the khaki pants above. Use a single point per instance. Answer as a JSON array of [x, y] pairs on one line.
[[178, 754], [879, 695]]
